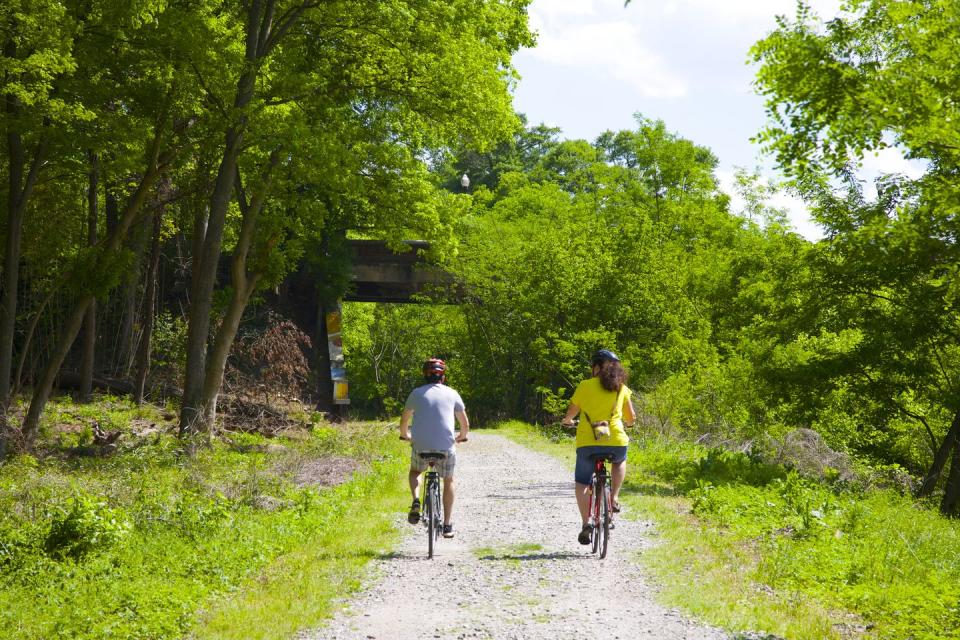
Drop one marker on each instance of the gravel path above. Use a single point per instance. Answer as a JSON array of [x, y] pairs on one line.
[[514, 569]]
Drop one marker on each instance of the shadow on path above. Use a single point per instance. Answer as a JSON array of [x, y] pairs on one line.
[[536, 490], [556, 555]]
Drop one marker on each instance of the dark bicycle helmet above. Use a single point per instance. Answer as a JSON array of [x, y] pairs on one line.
[[434, 366], [603, 355]]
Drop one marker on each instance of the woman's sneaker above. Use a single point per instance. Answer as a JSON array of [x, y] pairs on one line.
[[586, 534], [448, 531], [414, 516]]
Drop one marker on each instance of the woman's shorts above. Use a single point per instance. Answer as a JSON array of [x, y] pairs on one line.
[[583, 472], [443, 467]]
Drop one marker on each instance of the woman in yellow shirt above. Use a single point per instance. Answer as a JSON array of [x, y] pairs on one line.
[[602, 397]]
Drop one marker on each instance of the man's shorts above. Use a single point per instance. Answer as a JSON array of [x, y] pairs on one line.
[[583, 472], [443, 467]]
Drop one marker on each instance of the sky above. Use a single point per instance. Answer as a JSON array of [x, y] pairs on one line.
[[597, 63]]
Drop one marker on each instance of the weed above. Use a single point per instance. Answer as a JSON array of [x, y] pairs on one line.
[[87, 525]]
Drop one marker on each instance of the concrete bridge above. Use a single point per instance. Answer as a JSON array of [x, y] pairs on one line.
[[377, 274], [380, 275]]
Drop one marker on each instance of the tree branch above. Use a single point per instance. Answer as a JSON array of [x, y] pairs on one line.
[[286, 21]]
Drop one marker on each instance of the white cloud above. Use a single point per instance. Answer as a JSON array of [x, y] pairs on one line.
[[558, 9], [891, 160], [614, 48], [746, 10]]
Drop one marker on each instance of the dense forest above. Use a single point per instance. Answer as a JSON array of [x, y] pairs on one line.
[[169, 166]]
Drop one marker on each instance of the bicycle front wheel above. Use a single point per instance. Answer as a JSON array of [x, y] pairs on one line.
[[603, 528]]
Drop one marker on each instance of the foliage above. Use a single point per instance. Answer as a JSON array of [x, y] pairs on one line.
[[883, 282], [876, 553], [87, 525], [625, 243]]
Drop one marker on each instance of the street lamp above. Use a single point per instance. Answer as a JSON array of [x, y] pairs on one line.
[[465, 181]]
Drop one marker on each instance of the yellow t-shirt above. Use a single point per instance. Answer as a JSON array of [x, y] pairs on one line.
[[596, 401]]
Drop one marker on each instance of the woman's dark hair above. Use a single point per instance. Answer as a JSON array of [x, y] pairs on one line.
[[612, 375]]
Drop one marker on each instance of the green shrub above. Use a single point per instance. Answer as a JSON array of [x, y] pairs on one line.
[[87, 525]]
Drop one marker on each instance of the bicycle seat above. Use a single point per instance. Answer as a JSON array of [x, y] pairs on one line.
[[602, 456], [433, 455]]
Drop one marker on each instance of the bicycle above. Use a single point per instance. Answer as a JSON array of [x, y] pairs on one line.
[[431, 505], [600, 502], [430, 498]]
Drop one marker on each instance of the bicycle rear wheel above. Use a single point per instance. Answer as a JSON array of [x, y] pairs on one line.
[[595, 504], [431, 515], [437, 511], [603, 528]]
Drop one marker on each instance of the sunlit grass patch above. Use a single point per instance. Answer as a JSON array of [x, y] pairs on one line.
[[301, 588], [148, 542], [715, 576]]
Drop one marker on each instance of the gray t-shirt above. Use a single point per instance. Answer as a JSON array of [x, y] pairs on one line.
[[433, 408]]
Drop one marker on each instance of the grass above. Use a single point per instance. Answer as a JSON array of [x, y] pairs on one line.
[[299, 590], [750, 546], [150, 543]]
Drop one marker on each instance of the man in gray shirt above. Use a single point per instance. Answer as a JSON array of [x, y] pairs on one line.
[[433, 407]]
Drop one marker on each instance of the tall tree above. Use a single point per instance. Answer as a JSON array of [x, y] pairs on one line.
[[376, 86], [36, 46], [881, 75], [127, 51]]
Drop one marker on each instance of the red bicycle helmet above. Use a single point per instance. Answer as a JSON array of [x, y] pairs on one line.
[[434, 366]]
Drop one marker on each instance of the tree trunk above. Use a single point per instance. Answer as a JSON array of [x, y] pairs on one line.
[[221, 350], [131, 284], [11, 264], [244, 285], [85, 392], [203, 279], [951, 494], [112, 209], [264, 29], [948, 444], [41, 391], [20, 187], [142, 360], [28, 339], [192, 411]]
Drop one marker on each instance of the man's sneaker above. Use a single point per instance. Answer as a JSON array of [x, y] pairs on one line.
[[448, 531], [586, 534], [414, 516]]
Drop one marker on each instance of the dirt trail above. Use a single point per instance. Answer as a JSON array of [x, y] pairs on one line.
[[514, 569]]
